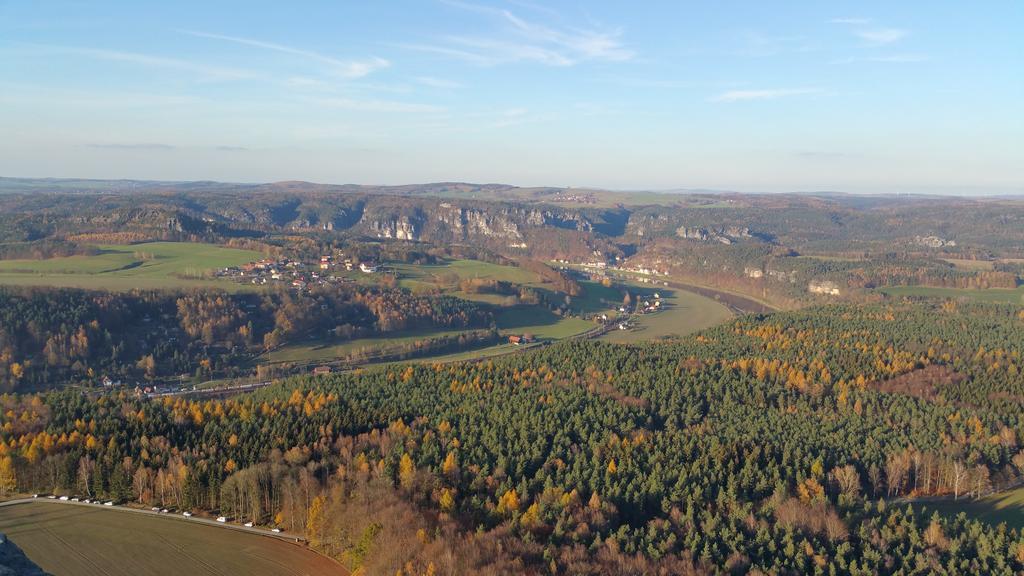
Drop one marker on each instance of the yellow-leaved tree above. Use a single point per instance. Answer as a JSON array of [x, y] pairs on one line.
[[406, 471], [8, 479], [315, 520]]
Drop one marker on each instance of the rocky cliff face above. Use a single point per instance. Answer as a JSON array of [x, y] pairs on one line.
[[461, 222], [396, 227], [723, 234]]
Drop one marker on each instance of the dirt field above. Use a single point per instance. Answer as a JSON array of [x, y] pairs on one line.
[[68, 540]]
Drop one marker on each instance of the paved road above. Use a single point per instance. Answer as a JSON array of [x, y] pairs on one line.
[[173, 516]]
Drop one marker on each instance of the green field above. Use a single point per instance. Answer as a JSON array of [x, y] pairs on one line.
[[123, 267], [535, 320], [414, 276], [315, 351], [69, 540], [1005, 507], [997, 295], [540, 322], [684, 314]]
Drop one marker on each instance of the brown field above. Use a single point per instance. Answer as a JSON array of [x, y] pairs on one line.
[[70, 540]]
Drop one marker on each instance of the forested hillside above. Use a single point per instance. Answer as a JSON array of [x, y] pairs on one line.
[[52, 337], [781, 443]]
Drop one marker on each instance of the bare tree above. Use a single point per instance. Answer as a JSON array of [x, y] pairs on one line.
[[896, 467], [958, 473], [85, 471], [847, 480], [981, 479]]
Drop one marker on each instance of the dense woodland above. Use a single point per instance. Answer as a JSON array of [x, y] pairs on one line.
[[51, 337], [784, 443]]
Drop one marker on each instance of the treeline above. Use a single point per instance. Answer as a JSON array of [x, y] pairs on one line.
[[42, 249], [51, 337], [779, 275], [562, 282], [769, 444]]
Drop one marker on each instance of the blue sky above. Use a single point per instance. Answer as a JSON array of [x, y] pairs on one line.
[[750, 96]]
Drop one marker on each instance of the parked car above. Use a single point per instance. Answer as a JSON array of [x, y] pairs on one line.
[[64, 498], [222, 519], [108, 503], [186, 514], [275, 530], [248, 524]]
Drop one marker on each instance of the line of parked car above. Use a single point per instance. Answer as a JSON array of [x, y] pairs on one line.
[[186, 513], [76, 499]]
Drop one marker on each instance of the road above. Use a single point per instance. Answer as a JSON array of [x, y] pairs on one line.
[[226, 390], [173, 516]]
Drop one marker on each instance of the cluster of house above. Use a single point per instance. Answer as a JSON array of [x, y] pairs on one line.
[[826, 287], [295, 273], [145, 390], [598, 267], [644, 270], [651, 305]]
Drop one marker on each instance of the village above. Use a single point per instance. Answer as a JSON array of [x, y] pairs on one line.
[[299, 275]]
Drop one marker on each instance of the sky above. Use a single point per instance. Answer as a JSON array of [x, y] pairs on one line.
[[869, 96]]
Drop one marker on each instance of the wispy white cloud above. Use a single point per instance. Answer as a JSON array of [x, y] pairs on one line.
[[149, 61], [850, 20], [881, 36], [11, 93], [522, 40], [594, 109], [761, 45], [891, 59], [437, 82], [343, 68], [450, 52], [763, 94], [304, 82], [378, 105]]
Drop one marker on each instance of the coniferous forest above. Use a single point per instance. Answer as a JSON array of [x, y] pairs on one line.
[[787, 443]]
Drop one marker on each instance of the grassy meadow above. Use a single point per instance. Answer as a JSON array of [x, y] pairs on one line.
[[124, 267], [1005, 507], [685, 313]]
